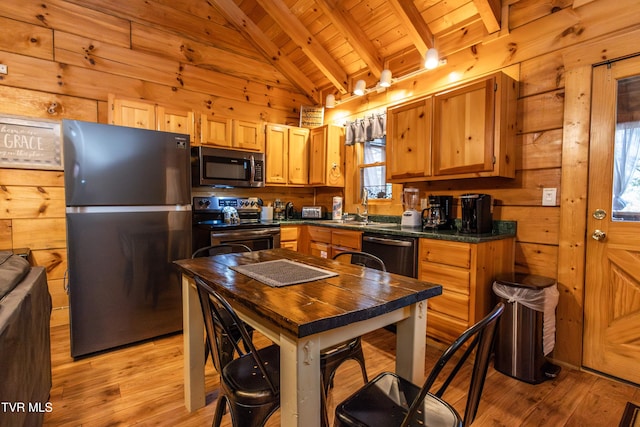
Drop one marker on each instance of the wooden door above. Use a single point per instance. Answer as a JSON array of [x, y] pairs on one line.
[[298, 156], [409, 140], [248, 135], [132, 113], [277, 138], [612, 285], [215, 131], [176, 120], [463, 129], [318, 155]]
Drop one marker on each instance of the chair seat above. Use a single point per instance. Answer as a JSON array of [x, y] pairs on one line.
[[384, 402], [243, 381]]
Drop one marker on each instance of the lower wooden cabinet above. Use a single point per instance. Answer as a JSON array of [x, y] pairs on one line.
[[326, 242], [466, 272], [289, 236]]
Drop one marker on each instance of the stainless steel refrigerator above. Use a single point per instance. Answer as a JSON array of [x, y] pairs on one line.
[[128, 218]]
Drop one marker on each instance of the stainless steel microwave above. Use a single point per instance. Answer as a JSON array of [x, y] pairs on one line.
[[219, 167]]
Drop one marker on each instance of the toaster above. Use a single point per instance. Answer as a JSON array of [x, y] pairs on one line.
[[312, 212]]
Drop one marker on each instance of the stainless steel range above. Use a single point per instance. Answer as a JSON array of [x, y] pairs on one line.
[[218, 220]]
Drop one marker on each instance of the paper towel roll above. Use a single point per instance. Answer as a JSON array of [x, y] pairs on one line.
[[337, 208], [266, 214]]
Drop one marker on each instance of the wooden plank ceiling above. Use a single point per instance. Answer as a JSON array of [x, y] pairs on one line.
[[313, 47]]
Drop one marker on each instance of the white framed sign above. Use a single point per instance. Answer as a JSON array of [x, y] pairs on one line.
[[30, 143], [311, 117]]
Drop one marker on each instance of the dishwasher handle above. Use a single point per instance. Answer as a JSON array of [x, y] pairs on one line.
[[386, 241]]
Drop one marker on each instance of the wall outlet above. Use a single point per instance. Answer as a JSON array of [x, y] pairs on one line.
[[3, 69], [549, 196]]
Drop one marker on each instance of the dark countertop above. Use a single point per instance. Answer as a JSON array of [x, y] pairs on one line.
[[501, 229]]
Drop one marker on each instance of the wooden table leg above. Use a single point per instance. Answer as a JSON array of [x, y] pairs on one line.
[[411, 341], [299, 382], [193, 339]]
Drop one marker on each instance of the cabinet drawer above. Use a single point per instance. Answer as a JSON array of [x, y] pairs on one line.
[[444, 328], [289, 233], [451, 278], [349, 240], [293, 245], [443, 252], [319, 234], [319, 249], [452, 303]]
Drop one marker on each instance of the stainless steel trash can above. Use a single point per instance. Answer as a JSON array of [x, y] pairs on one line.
[[526, 333]]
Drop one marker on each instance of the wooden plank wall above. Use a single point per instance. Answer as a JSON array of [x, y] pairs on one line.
[[64, 59], [541, 46]]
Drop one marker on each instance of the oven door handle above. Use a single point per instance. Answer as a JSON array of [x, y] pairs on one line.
[[246, 234], [390, 242]]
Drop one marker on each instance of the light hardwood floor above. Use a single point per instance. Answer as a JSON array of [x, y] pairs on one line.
[[142, 385]]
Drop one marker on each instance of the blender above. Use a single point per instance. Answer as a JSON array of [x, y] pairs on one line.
[[411, 217]]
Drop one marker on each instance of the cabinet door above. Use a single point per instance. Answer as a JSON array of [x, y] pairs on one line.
[[318, 155], [247, 135], [326, 145], [463, 129], [409, 140], [132, 113], [277, 142], [215, 131], [176, 120], [298, 159]]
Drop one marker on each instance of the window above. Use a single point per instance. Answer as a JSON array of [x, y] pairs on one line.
[[373, 170], [626, 157]]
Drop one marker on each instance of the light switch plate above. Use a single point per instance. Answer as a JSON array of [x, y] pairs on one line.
[[549, 196], [3, 69]]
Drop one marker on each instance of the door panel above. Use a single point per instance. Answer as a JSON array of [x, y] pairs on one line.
[[612, 287]]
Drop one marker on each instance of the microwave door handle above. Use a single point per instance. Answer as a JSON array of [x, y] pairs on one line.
[[252, 162]]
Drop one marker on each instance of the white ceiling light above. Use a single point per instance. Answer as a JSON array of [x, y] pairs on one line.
[[431, 59], [360, 87], [330, 101], [385, 78]]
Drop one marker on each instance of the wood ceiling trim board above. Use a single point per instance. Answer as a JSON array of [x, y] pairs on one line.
[[353, 34], [490, 12], [412, 21], [307, 42], [236, 17]]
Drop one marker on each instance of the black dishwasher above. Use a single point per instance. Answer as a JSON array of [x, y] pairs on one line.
[[399, 253]]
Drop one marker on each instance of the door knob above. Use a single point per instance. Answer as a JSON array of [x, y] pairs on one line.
[[599, 235]]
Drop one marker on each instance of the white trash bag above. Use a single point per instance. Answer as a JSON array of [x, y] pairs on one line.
[[542, 300]]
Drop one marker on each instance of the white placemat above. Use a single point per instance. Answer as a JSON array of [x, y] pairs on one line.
[[283, 272]]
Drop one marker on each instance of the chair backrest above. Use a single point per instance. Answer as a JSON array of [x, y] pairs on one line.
[[223, 248], [218, 314], [481, 337], [364, 259]]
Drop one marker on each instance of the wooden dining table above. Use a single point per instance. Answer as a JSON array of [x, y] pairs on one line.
[[305, 318]]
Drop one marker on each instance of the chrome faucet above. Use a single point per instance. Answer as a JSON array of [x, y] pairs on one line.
[[364, 216]]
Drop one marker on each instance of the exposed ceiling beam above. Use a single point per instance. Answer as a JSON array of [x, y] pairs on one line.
[[411, 19], [232, 13], [490, 13], [290, 24], [343, 21]]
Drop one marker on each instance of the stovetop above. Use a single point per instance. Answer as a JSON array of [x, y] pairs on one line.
[[208, 213]]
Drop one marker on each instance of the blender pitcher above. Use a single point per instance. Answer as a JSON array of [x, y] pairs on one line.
[[411, 217]]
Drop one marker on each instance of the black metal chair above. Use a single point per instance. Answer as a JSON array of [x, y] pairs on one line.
[[391, 401], [227, 349], [250, 383], [331, 358]]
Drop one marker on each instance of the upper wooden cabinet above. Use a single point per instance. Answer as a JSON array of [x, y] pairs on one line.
[[474, 129], [287, 155], [171, 119], [132, 113], [326, 167], [231, 133], [409, 140], [466, 132]]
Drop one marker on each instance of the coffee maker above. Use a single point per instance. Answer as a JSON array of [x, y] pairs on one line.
[[477, 217], [439, 214]]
